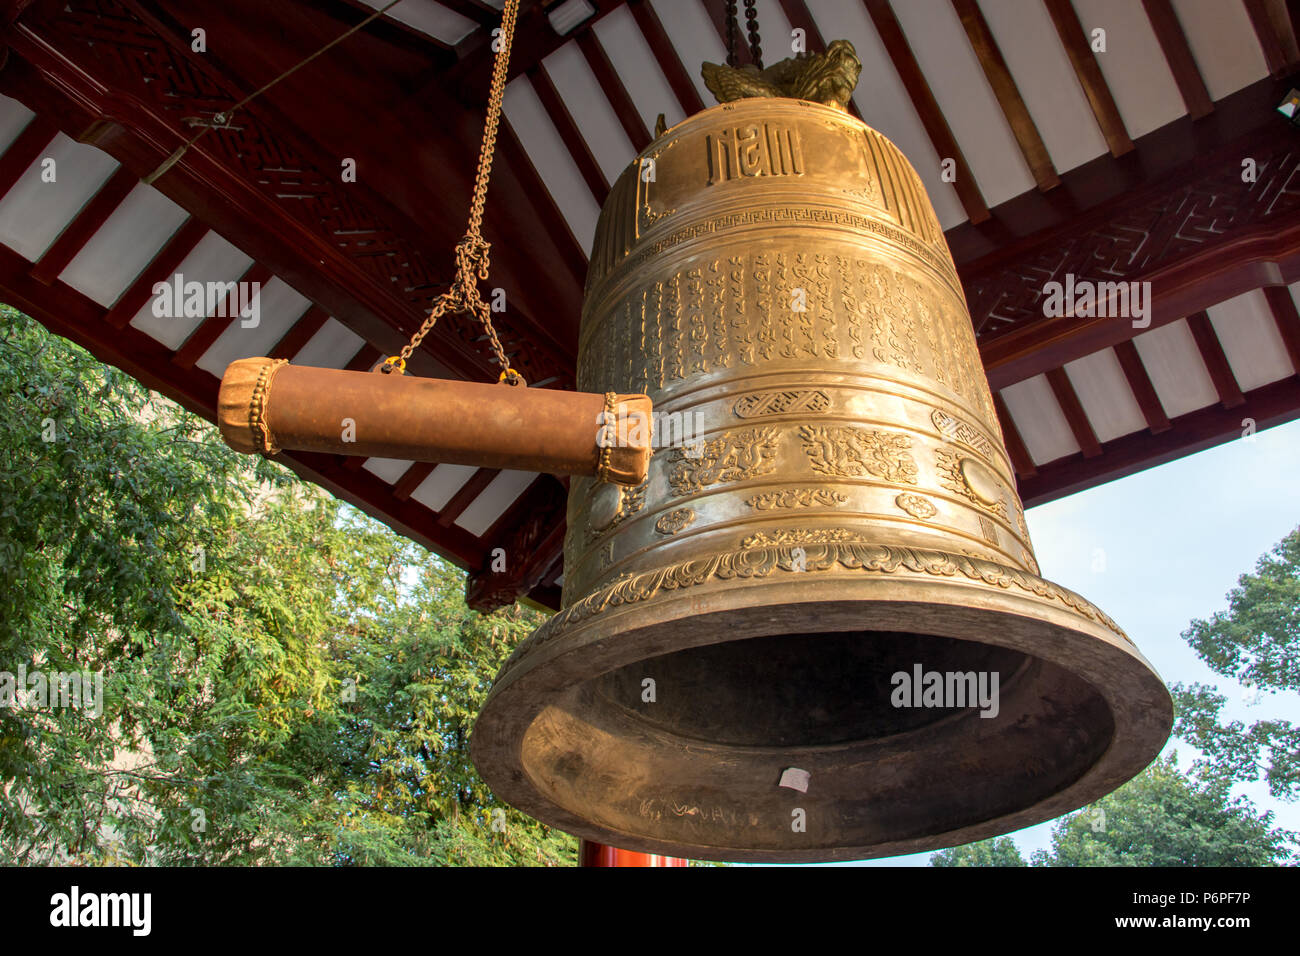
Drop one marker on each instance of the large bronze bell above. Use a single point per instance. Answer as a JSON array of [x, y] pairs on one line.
[[817, 630]]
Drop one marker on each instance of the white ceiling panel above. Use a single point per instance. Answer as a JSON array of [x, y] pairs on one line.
[[1223, 44], [1174, 365], [442, 484], [430, 18], [693, 36], [212, 260], [1251, 341], [551, 158], [492, 503], [1105, 395], [1133, 64], [279, 307], [590, 109], [884, 102], [14, 117], [120, 249], [333, 346], [637, 67], [1042, 71], [1039, 420], [34, 212], [957, 80], [386, 469]]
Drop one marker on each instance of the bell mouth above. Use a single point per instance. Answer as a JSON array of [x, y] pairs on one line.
[[673, 735], [806, 690]]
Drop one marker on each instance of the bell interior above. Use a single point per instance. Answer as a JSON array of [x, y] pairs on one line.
[[700, 764]]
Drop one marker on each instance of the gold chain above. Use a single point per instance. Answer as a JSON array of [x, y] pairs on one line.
[[472, 261]]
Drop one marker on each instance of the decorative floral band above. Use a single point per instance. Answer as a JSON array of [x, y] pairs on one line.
[[760, 562]]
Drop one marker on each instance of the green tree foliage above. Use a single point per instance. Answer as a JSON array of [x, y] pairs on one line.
[[999, 851], [1256, 642], [284, 679], [1162, 817]]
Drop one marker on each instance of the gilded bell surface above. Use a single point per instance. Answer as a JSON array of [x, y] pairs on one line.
[[826, 580]]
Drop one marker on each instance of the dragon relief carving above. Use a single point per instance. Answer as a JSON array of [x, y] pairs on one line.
[[846, 452], [732, 457]]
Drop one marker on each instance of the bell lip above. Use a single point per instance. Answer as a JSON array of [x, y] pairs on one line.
[[1100, 654]]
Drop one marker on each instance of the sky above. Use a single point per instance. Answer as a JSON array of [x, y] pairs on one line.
[[1160, 548]]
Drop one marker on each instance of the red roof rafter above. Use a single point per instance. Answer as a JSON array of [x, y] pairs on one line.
[[927, 107], [1007, 93], [1173, 42], [1078, 48]]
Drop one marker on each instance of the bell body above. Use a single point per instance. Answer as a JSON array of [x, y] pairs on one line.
[[827, 569]]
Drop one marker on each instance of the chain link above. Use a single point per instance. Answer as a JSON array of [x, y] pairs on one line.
[[731, 34], [751, 22], [473, 261]]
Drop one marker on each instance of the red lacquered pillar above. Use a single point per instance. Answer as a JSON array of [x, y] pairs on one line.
[[597, 854]]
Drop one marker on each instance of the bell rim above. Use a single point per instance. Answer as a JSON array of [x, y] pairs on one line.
[[1015, 614]]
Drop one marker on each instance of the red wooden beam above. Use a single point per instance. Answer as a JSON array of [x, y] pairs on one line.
[[556, 227], [1181, 156], [665, 54], [1075, 416], [476, 10], [465, 497], [1077, 47], [1178, 54], [1287, 319], [546, 596], [1021, 460], [352, 12], [535, 40], [364, 360], [530, 538], [1216, 363], [569, 132], [1269, 42], [78, 232], [1209, 235], [612, 86], [1008, 95], [335, 274], [1140, 384], [412, 479], [927, 107], [1293, 17], [226, 203], [598, 854], [67, 312], [1268, 405], [1220, 272], [300, 333], [202, 338], [23, 151], [160, 269]]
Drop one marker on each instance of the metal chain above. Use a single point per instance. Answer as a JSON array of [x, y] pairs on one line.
[[732, 26], [472, 252], [751, 22]]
